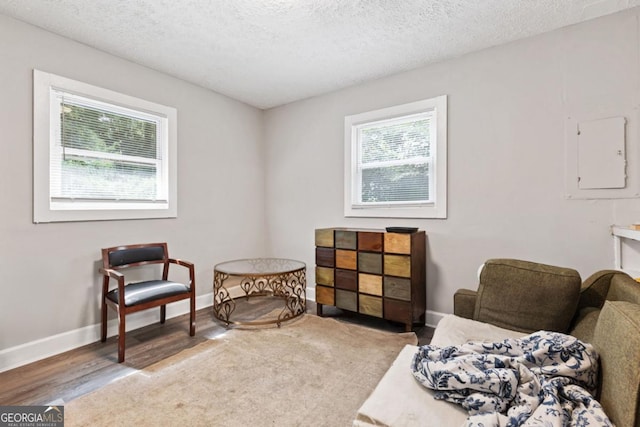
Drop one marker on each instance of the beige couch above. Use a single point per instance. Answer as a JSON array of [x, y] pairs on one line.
[[515, 298]]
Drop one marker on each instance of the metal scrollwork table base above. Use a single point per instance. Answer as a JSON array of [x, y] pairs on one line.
[[278, 277]]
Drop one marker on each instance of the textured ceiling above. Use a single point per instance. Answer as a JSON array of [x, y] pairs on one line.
[[271, 52]]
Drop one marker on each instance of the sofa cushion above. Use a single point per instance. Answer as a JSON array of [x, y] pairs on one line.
[[617, 340], [455, 330], [527, 296], [400, 400]]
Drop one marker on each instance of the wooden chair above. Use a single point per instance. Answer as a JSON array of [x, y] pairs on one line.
[[132, 297]]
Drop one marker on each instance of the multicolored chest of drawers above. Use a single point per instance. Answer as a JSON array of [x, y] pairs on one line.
[[372, 272]]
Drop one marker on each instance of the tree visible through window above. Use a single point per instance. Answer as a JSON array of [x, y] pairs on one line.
[[106, 155], [394, 159]]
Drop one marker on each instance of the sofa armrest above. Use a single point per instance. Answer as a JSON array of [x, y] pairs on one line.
[[617, 341], [595, 288], [464, 303]]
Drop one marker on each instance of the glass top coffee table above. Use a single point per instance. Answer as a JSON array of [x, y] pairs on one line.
[[278, 277]]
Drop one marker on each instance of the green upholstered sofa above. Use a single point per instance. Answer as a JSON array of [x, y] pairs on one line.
[[515, 297], [604, 312]]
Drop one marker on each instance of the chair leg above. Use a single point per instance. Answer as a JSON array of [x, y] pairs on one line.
[[163, 313], [121, 337], [192, 316], [103, 336]]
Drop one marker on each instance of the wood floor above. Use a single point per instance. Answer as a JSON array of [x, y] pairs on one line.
[[64, 377]]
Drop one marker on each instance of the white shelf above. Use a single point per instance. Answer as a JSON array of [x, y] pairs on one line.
[[625, 232], [619, 233]]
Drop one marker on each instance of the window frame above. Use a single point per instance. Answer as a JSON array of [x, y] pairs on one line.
[[436, 208], [45, 146]]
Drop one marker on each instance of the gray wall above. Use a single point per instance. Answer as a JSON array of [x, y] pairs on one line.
[[49, 283], [506, 119]]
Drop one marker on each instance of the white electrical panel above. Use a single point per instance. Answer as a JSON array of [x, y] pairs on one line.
[[601, 154]]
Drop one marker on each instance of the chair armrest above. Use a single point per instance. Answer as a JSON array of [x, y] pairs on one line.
[[181, 262], [464, 303], [112, 273], [188, 265]]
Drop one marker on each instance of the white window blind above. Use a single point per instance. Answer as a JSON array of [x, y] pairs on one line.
[[394, 161], [105, 152]]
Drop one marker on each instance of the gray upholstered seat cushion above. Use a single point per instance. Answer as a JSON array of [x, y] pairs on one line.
[[141, 292], [527, 296]]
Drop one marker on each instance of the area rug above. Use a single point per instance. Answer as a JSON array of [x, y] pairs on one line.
[[310, 372]]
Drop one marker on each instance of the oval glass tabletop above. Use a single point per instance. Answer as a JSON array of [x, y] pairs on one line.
[[259, 266]]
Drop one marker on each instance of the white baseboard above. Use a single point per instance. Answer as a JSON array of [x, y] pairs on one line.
[[433, 317], [33, 351], [311, 294]]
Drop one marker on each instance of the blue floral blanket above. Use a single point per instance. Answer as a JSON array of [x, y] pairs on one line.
[[542, 379]]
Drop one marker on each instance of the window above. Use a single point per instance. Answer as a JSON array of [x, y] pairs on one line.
[[101, 155], [396, 161]]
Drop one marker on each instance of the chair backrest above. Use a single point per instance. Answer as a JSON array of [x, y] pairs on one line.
[[133, 255], [527, 296]]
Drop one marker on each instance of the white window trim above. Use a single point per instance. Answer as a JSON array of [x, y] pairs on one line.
[[47, 210], [438, 207]]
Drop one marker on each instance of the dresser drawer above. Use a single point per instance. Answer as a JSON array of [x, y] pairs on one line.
[[346, 300], [370, 305], [397, 287], [369, 241], [400, 311], [397, 265], [324, 276], [346, 279], [370, 262], [397, 243], [346, 239], [346, 259], [370, 284], [325, 257], [324, 295], [324, 237]]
